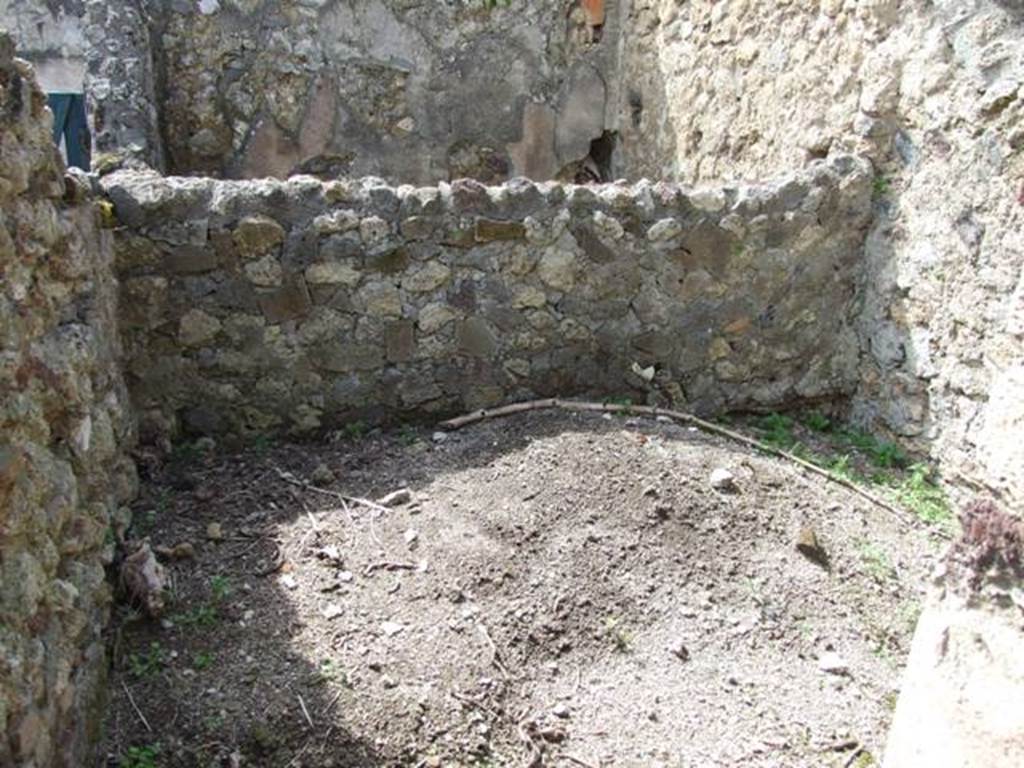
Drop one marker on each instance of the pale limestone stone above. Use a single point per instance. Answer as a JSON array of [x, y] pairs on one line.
[[381, 300], [710, 200], [529, 297], [557, 269], [607, 226], [373, 229], [336, 222], [196, 327], [435, 316], [664, 229], [333, 273], [265, 272], [257, 235], [429, 277]]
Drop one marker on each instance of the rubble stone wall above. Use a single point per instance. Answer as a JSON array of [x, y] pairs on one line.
[[64, 430], [931, 92], [290, 305], [413, 92]]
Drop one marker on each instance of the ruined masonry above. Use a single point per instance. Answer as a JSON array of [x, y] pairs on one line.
[[312, 211]]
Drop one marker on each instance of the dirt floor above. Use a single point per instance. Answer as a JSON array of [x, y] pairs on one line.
[[559, 590]]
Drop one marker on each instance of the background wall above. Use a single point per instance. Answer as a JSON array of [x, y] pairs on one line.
[[252, 306], [52, 36], [413, 92], [64, 430], [931, 92]]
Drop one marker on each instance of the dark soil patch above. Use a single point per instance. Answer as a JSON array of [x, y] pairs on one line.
[[563, 589]]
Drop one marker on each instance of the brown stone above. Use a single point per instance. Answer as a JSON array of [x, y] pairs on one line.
[[11, 463], [533, 156], [390, 262], [476, 338], [741, 325], [400, 341], [257, 235], [289, 302], [808, 545], [345, 357], [488, 230]]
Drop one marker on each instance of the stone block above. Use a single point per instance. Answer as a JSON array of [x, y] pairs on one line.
[[255, 236], [289, 302], [476, 338], [489, 230]]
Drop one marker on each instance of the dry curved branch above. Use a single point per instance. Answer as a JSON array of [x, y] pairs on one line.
[[680, 416]]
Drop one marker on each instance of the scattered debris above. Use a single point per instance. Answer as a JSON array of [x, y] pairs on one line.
[[808, 545], [214, 532], [663, 511], [330, 552], [396, 498], [647, 374], [331, 611], [288, 581], [322, 475], [204, 492], [182, 551], [560, 710], [144, 580], [391, 628], [411, 536], [679, 650], [723, 480], [832, 663]]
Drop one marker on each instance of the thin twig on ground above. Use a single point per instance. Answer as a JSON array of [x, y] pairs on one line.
[[578, 760], [304, 710], [276, 565], [131, 700], [535, 753], [680, 416], [853, 756], [474, 702], [495, 653], [388, 566], [288, 477]]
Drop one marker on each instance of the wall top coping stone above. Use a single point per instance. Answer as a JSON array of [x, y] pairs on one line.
[[145, 198]]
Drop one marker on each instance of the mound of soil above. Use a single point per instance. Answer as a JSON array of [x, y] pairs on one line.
[[558, 589]]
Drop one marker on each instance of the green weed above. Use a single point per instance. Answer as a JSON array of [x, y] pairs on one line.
[[200, 616], [922, 496], [329, 671], [817, 421], [140, 757], [355, 430], [777, 430], [407, 435], [220, 588], [841, 466], [147, 663], [202, 661], [186, 452], [260, 444], [877, 561], [881, 186]]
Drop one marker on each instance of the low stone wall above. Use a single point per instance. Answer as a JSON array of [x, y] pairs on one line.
[[64, 424], [270, 305], [933, 93]]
